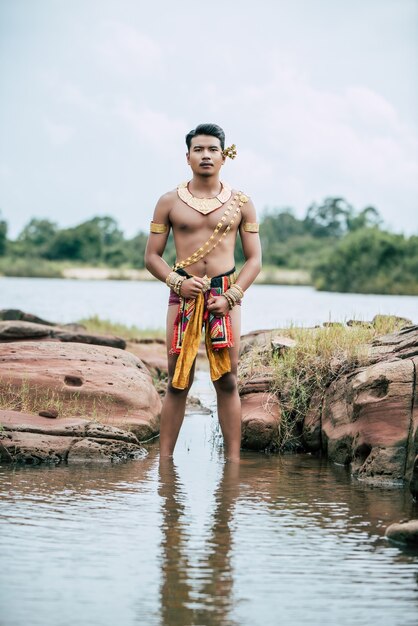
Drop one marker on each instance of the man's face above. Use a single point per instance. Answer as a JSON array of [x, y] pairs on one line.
[[205, 155]]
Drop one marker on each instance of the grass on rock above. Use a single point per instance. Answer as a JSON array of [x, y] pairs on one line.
[[319, 357], [96, 324], [27, 398]]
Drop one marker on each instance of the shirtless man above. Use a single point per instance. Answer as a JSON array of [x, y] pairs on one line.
[[206, 216]]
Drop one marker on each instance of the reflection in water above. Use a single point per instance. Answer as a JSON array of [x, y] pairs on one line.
[[182, 603], [197, 542]]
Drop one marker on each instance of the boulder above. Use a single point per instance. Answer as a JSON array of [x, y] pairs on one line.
[[380, 319], [413, 483], [23, 331], [402, 344], [257, 383], [369, 418], [260, 421], [404, 533], [32, 440], [311, 430], [153, 353], [366, 420], [17, 314], [271, 339], [80, 380]]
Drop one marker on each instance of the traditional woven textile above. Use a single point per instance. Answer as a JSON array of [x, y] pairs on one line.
[[191, 317]]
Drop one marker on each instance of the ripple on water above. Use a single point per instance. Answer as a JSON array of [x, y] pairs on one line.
[[277, 540]]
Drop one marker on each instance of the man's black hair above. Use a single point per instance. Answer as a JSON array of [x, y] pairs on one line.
[[206, 129]]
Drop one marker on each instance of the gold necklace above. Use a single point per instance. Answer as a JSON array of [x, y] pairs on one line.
[[204, 205], [215, 237]]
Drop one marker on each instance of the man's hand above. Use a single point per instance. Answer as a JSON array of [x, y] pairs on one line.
[[191, 286], [218, 306]]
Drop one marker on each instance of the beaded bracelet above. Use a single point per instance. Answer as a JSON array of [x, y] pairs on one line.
[[233, 295], [174, 281]]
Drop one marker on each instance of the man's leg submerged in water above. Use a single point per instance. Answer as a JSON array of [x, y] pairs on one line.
[[174, 404], [229, 403]]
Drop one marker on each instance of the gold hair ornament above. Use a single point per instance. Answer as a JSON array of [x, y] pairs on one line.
[[230, 152], [158, 228], [251, 227]]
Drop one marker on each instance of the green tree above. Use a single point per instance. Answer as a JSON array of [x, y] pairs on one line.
[[370, 261], [109, 229], [81, 243], [36, 237], [328, 219], [3, 236], [367, 218]]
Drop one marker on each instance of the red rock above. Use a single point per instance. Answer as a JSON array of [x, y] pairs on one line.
[[260, 420], [34, 448], [110, 384], [311, 431], [256, 384], [17, 314], [405, 533], [366, 419], [104, 450], [272, 339], [51, 413], [413, 483], [31, 439], [152, 353], [23, 331]]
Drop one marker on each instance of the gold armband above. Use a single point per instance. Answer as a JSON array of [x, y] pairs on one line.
[[251, 227], [158, 228]]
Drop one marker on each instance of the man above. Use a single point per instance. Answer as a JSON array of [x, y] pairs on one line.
[[205, 215]]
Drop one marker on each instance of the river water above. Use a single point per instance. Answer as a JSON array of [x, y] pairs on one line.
[[197, 541], [200, 542], [144, 304]]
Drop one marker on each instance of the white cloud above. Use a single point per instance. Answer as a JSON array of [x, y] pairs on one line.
[[73, 94], [58, 134], [125, 50], [6, 172], [321, 139], [161, 131]]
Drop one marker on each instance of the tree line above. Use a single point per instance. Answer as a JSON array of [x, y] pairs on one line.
[[343, 249]]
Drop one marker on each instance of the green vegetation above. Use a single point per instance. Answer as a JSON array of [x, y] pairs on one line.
[[30, 267], [319, 356], [96, 324], [28, 398], [334, 247], [370, 261]]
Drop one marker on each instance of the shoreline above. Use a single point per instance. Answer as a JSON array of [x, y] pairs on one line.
[[267, 276], [273, 276]]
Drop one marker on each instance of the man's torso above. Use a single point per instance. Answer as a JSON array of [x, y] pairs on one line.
[[192, 229]]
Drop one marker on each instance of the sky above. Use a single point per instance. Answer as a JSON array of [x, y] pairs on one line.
[[96, 97]]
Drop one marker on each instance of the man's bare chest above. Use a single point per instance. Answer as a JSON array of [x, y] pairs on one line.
[[187, 220]]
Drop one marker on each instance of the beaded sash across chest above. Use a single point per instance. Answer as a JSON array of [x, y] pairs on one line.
[[222, 229], [204, 205]]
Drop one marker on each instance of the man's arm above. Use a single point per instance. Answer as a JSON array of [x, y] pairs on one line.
[[156, 243], [251, 248]]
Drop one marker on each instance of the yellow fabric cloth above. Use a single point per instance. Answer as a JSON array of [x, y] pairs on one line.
[[219, 360]]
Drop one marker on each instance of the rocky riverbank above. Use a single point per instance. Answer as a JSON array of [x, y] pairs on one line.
[[357, 407], [362, 414], [68, 395]]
